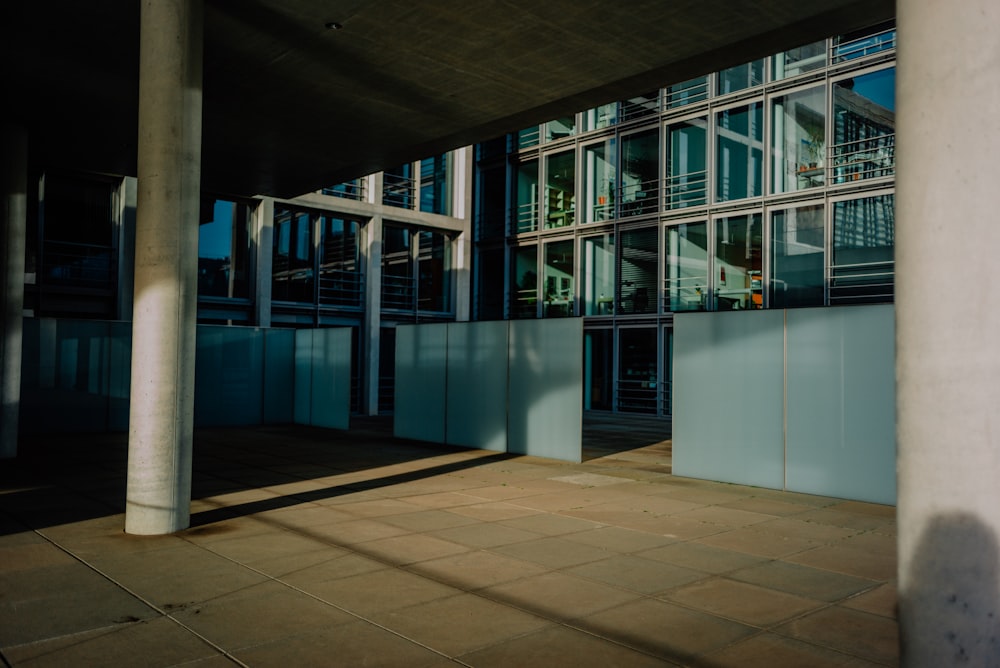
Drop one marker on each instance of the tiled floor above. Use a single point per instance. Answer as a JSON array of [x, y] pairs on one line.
[[311, 547]]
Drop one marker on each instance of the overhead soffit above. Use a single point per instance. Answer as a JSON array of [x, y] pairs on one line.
[[290, 105]]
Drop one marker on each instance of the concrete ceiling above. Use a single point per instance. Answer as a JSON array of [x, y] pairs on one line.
[[290, 105]]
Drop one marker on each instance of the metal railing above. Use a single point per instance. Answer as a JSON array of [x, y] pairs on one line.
[[639, 107], [84, 265], [340, 288], [398, 190], [639, 198], [353, 190], [527, 217], [867, 158], [862, 282], [685, 293], [398, 292], [682, 190], [678, 97], [638, 396], [863, 46]]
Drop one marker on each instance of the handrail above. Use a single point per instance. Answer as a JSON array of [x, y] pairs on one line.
[[863, 46]]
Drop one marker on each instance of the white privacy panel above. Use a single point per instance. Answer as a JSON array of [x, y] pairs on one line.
[[477, 385], [421, 382]]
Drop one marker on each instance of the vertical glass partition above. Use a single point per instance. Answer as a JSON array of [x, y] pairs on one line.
[[797, 258], [798, 61], [687, 176], [599, 181], [598, 274], [433, 284], [560, 189], [526, 210], [738, 263], [224, 250], [558, 279], [292, 278], [686, 281], [740, 77], [638, 271], [637, 370], [340, 263], [640, 173], [524, 282], [864, 127], [798, 150], [739, 152]]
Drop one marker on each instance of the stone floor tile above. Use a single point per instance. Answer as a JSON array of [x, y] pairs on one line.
[[151, 642], [370, 593], [444, 499], [553, 552], [666, 630], [862, 508], [344, 566], [769, 650], [768, 506], [703, 558], [265, 546], [428, 520], [788, 527], [803, 581], [559, 646], [263, 613], [460, 624], [353, 644], [854, 632], [882, 601], [726, 516], [846, 520], [356, 531], [758, 543], [409, 548], [470, 571], [303, 515], [616, 539], [637, 574], [486, 535], [844, 559], [559, 596], [549, 525], [671, 527], [378, 507], [745, 603], [493, 511]]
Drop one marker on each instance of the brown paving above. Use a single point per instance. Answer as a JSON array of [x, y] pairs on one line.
[[315, 548]]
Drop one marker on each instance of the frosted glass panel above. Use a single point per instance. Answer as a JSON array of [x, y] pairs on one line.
[[119, 374], [421, 375], [841, 402], [331, 378], [477, 385], [279, 376], [228, 375], [303, 376], [546, 388], [727, 397]]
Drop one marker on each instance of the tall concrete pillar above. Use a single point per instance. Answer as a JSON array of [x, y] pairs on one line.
[[158, 495], [371, 334], [947, 332], [13, 222], [462, 246]]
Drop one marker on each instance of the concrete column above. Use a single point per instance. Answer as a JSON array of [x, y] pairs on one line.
[[12, 233], [371, 333], [264, 219], [158, 494], [947, 328], [462, 247]]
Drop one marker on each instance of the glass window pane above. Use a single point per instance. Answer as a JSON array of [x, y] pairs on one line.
[[798, 61], [398, 185], [292, 260], [599, 181], [490, 283], [558, 279], [224, 250], [687, 178], [686, 92], [797, 258], [799, 140], [560, 189], [864, 237], [527, 197], [597, 346], [640, 106], [686, 280], [434, 286], [864, 127], [78, 225], [524, 282], [435, 185], [740, 77], [640, 173], [637, 378], [603, 116], [491, 202], [528, 137], [864, 42], [599, 274], [560, 128], [638, 271], [737, 266], [739, 152], [397, 268], [340, 263]]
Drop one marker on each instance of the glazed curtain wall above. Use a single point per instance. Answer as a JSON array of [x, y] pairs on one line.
[[507, 386], [79, 371], [802, 400]]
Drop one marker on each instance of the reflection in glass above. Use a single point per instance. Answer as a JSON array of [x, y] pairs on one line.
[[686, 92], [433, 258], [740, 77], [640, 106], [599, 181], [798, 61], [799, 140], [526, 212], [340, 263], [737, 266], [435, 185], [864, 127], [597, 355], [864, 236], [398, 186], [797, 259], [739, 152], [490, 283], [224, 250], [292, 258], [864, 42], [491, 201], [560, 128], [603, 116], [640, 173], [397, 268], [638, 271], [687, 178], [560, 189], [598, 274], [686, 280], [524, 282], [558, 279], [637, 377], [528, 137]]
